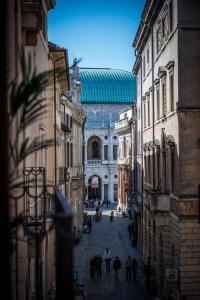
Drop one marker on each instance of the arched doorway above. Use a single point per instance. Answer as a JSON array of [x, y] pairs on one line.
[[94, 148], [94, 187]]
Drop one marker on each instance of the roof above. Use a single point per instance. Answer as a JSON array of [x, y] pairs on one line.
[[105, 86]]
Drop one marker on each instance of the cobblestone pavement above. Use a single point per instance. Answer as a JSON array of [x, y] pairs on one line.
[[113, 235]]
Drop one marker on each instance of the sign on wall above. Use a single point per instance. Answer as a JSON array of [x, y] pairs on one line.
[[171, 274]]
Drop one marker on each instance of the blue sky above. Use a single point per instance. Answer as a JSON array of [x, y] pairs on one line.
[[100, 32]]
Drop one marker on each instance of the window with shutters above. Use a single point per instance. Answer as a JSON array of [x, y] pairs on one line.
[[158, 102], [172, 91], [71, 155], [105, 152], [114, 152], [164, 96]]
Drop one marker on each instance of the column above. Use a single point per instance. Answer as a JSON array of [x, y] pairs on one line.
[[102, 190], [85, 158], [110, 191]]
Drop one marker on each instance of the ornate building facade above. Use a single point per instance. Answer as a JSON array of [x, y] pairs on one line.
[[168, 149], [106, 93], [123, 129]]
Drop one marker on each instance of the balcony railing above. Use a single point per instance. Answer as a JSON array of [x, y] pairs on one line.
[[38, 204], [94, 162], [122, 123], [124, 161]]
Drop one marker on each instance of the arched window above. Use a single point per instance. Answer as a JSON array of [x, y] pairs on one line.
[[95, 150]]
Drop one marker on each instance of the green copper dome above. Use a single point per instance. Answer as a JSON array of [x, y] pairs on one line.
[[105, 86]]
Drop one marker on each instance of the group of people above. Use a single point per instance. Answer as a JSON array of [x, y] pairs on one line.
[[131, 266]]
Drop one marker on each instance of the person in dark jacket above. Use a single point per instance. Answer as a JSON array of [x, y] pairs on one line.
[[92, 268], [117, 267], [98, 265], [134, 268], [128, 264]]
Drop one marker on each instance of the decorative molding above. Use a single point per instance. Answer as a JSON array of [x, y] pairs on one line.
[[150, 89], [162, 72], [170, 65], [157, 81]]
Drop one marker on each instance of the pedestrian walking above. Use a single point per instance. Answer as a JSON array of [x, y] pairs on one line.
[[92, 268], [128, 264], [107, 257], [134, 268], [117, 267], [98, 265]]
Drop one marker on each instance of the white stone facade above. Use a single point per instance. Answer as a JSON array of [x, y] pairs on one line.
[[106, 166]]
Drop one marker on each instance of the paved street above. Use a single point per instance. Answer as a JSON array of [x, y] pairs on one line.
[[115, 236]]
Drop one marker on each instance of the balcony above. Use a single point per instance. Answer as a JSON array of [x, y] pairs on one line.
[[157, 201], [94, 162], [121, 124], [38, 204], [124, 161]]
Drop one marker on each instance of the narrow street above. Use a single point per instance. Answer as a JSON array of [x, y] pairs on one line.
[[113, 235]]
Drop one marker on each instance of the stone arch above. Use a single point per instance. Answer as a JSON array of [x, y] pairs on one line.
[[94, 145], [94, 184]]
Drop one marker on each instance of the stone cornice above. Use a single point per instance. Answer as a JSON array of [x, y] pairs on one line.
[[149, 15]]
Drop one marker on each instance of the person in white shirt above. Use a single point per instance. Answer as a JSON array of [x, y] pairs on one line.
[[107, 257]]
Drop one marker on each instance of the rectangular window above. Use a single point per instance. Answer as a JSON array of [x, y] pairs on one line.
[[115, 192], [124, 146], [145, 167], [172, 171], [158, 168], [148, 56], [105, 152], [149, 168], [164, 171], [68, 154], [71, 155], [158, 40], [71, 122], [148, 112], [158, 102], [172, 91], [67, 120], [105, 192], [114, 152], [144, 66], [165, 27], [144, 117], [44, 29], [164, 100], [171, 16]]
